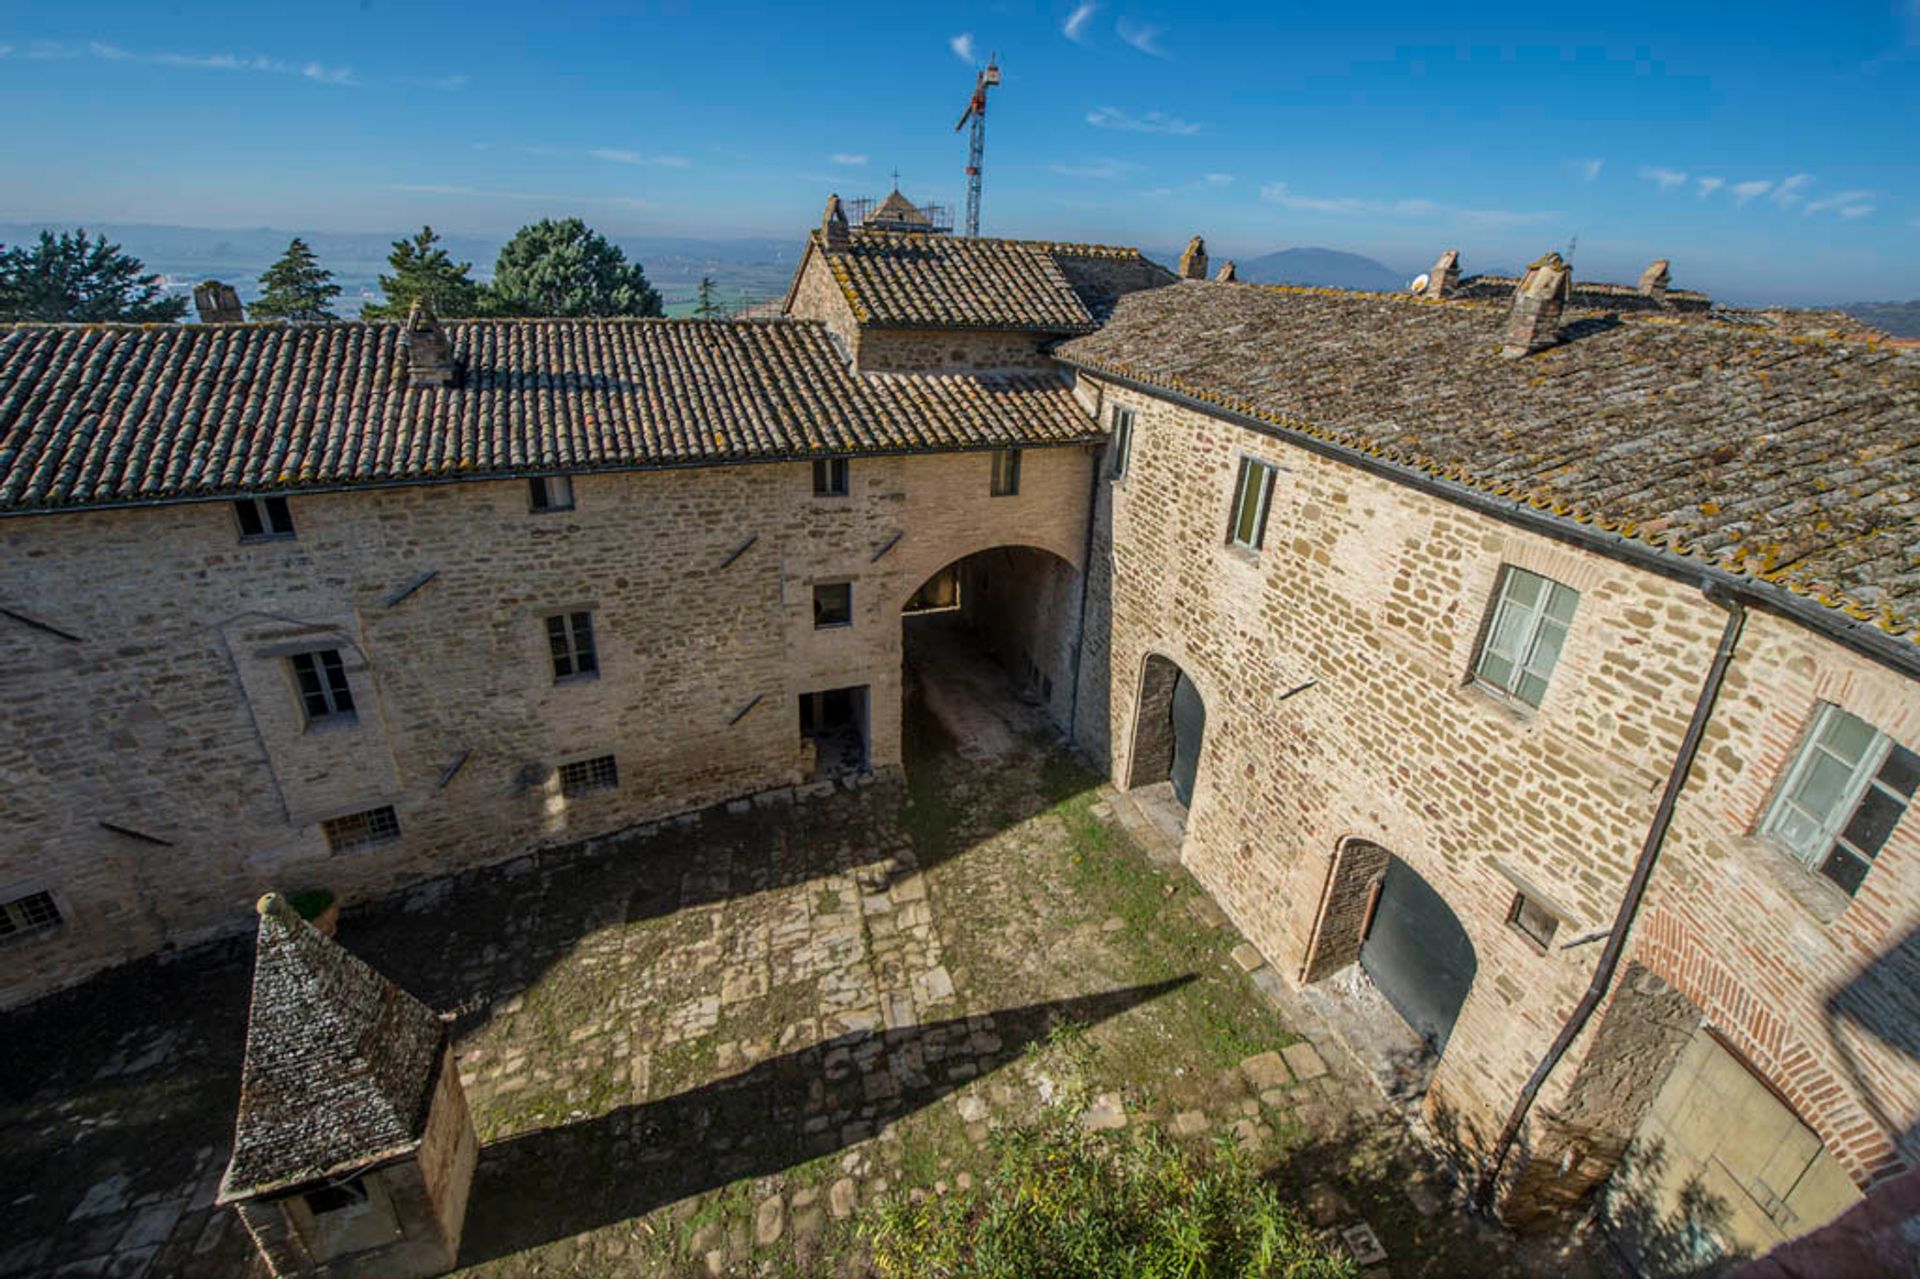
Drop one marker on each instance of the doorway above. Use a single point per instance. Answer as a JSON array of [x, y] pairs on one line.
[[833, 731], [1418, 954]]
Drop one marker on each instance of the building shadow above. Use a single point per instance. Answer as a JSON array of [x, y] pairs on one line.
[[554, 1183], [1882, 1001]]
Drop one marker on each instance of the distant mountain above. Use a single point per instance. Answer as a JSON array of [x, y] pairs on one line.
[[1897, 319], [1322, 268]]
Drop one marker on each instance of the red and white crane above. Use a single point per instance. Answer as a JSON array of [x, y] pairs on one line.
[[977, 114]]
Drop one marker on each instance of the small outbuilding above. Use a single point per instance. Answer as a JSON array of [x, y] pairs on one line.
[[353, 1150]]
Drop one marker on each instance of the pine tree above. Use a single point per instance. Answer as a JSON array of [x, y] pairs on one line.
[[74, 278], [706, 302], [296, 287], [567, 268], [421, 269]]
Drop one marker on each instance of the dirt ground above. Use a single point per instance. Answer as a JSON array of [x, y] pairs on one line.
[[704, 1047]]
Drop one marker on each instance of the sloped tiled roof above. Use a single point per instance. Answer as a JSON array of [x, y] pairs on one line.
[[1594, 294], [1795, 462], [105, 414], [903, 280], [340, 1066]]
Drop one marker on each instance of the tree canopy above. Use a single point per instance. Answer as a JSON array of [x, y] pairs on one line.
[[706, 301], [566, 268], [296, 287], [75, 278], [421, 269]]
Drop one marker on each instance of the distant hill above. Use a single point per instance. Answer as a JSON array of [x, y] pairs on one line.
[[1897, 319], [1323, 268]]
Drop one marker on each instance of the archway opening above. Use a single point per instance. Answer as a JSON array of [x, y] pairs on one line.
[[1418, 954], [1169, 728]]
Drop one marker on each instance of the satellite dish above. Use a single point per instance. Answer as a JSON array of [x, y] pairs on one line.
[[1419, 284]]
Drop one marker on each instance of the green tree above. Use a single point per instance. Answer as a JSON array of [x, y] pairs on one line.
[[296, 287], [566, 268], [706, 302], [421, 269], [74, 278]]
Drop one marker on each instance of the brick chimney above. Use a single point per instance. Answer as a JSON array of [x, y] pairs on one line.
[[1226, 274], [429, 351], [1534, 322], [1655, 280], [1445, 276], [834, 231], [1193, 263], [218, 303]]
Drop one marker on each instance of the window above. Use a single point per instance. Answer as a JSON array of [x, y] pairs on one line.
[[322, 682], [1006, 473], [263, 517], [1843, 796], [585, 776], [28, 916], [570, 636], [833, 605], [551, 493], [1250, 498], [1531, 615], [1121, 446], [361, 830], [1534, 921], [830, 477], [340, 1196]]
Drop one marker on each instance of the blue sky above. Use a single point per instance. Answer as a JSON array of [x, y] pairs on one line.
[[1769, 151]]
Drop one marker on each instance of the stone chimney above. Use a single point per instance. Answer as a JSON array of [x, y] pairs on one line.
[[833, 227], [218, 303], [1655, 280], [1226, 274], [1445, 276], [1193, 263], [429, 350], [1534, 322]]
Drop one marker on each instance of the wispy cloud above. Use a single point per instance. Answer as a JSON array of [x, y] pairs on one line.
[[1075, 27], [1848, 204], [1097, 170], [558, 198], [306, 69], [1588, 169], [1745, 191], [444, 83], [1151, 122], [1218, 179], [1667, 178], [962, 46], [1419, 209], [1789, 191], [1144, 36], [1709, 185], [620, 155], [848, 159]]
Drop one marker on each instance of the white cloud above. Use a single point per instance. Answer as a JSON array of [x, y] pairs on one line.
[[1075, 27], [307, 69], [1144, 36], [847, 159], [962, 46], [1787, 193], [6, 51], [328, 75], [1151, 122], [445, 83], [619, 155], [1667, 178], [1841, 202], [1098, 170], [1219, 179], [1415, 208], [1745, 191], [1589, 169], [1856, 211], [1709, 185]]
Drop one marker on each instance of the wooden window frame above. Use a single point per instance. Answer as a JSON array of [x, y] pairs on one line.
[[1255, 480], [842, 623], [1005, 479], [320, 681], [1121, 446], [1517, 918], [572, 651], [831, 477], [1831, 842], [1538, 620], [545, 494], [264, 519]]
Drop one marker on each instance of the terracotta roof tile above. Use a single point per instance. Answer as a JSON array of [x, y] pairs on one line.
[[903, 280]]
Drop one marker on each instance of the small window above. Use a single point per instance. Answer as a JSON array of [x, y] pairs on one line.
[[263, 518], [322, 681], [342, 1196], [1534, 921], [29, 916], [551, 493], [570, 636], [1843, 796], [584, 776], [1531, 615], [1251, 496], [1006, 473], [830, 477], [361, 830], [833, 605], [1121, 446]]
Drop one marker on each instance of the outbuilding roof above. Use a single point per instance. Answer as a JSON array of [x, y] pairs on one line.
[[100, 415], [340, 1065], [1795, 461]]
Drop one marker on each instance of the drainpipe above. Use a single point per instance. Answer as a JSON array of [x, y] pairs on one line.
[[1086, 575], [1629, 902]]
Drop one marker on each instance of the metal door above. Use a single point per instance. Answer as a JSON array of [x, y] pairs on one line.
[[1189, 726], [1418, 955]]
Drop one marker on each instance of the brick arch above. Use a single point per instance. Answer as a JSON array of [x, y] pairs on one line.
[[918, 566], [1174, 657]]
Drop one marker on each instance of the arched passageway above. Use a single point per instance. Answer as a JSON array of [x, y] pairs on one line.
[[1170, 725]]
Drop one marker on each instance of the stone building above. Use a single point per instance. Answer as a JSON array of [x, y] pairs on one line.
[[1547, 655]]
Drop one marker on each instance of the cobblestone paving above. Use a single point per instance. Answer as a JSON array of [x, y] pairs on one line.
[[703, 1048]]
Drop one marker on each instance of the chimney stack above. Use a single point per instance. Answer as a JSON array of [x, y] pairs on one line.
[[1534, 322], [429, 351], [833, 227], [1445, 276], [1655, 280], [1193, 263], [1226, 274], [218, 303]]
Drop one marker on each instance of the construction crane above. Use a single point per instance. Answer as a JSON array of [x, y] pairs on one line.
[[976, 148]]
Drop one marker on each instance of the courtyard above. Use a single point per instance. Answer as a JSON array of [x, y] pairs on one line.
[[707, 1046]]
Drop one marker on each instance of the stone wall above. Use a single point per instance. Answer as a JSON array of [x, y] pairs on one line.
[[174, 715], [1025, 606], [1335, 670]]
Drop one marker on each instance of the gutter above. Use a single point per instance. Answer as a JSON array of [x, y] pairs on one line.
[[1864, 638], [1629, 902]]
